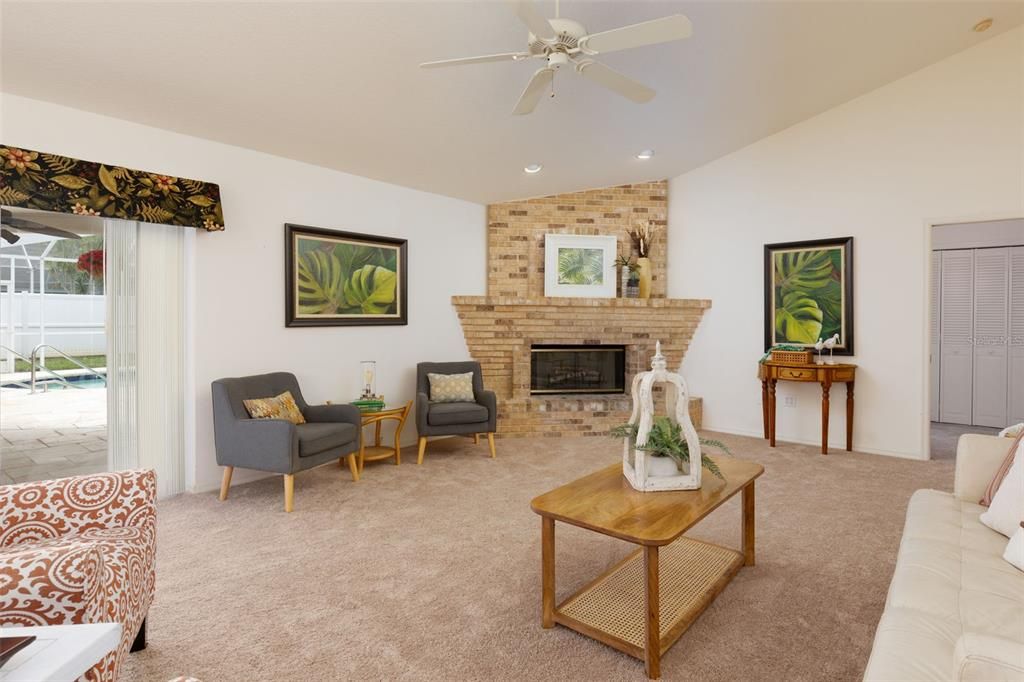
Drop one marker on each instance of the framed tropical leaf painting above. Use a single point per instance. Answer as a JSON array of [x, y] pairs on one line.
[[335, 278], [808, 293], [579, 265]]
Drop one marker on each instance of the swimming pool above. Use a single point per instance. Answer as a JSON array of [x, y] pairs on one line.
[[51, 384]]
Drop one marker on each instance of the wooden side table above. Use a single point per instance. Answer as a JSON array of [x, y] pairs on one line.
[[372, 453], [770, 373]]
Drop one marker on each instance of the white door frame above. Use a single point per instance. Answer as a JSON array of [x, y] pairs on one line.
[[929, 225]]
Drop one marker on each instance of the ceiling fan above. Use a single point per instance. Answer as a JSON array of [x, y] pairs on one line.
[[8, 219], [560, 42]]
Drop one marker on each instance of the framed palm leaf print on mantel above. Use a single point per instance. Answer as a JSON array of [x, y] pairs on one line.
[[579, 265], [335, 278], [808, 293]]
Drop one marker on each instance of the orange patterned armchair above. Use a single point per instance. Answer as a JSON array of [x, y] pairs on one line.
[[80, 550]]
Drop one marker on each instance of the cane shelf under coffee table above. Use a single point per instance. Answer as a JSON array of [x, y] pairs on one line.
[[678, 577]]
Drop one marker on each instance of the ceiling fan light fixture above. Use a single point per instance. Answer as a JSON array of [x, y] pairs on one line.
[[563, 42], [645, 154], [533, 168], [983, 25]]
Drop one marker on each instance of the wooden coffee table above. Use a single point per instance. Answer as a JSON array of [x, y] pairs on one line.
[[678, 577]]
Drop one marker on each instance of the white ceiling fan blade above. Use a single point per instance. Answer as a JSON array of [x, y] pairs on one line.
[[534, 91], [675, 27], [503, 57], [613, 80], [534, 20]]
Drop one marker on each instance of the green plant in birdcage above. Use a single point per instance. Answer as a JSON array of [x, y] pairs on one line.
[[666, 439]]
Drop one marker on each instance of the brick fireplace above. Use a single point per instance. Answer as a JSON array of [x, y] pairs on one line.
[[504, 327]]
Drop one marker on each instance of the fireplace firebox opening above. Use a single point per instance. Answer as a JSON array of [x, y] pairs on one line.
[[568, 369]]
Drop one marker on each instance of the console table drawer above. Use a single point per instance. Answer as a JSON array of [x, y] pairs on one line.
[[843, 375], [797, 374]]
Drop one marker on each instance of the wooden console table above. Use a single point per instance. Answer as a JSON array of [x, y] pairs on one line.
[[770, 373]]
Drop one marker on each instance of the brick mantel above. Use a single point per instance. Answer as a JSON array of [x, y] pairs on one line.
[[645, 304], [499, 332]]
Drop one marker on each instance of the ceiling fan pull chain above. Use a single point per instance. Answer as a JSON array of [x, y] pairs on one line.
[[552, 86]]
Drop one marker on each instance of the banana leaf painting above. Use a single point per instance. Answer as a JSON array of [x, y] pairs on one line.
[[809, 293], [343, 278]]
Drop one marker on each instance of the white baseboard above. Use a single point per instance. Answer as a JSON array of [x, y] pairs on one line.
[[802, 441]]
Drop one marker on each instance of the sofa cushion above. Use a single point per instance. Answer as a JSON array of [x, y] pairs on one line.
[[1002, 471], [316, 438], [912, 645], [1014, 553], [444, 414], [1007, 509]]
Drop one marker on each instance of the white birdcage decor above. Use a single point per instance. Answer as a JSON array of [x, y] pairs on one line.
[[637, 466]]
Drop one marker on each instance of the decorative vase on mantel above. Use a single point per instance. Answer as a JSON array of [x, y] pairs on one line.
[[644, 269], [642, 236]]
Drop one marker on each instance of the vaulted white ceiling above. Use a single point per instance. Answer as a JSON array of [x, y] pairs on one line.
[[337, 83]]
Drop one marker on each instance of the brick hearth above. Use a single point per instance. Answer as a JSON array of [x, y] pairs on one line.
[[499, 332]]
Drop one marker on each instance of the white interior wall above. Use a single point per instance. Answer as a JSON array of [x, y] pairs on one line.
[[238, 275], [942, 145]]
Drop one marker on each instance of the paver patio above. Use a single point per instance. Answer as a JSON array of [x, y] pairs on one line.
[[52, 434]]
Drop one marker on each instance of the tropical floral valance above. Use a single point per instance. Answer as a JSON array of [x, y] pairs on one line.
[[49, 182]]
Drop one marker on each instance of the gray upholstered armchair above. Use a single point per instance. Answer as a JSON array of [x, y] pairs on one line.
[[450, 419], [331, 432]]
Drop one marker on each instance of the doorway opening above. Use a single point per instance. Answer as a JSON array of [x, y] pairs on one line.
[[976, 335]]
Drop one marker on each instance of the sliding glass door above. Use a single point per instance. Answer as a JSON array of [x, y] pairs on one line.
[[92, 347]]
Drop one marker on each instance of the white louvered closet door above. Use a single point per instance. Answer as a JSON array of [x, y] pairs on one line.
[[1016, 346], [991, 320], [956, 328], [936, 316]]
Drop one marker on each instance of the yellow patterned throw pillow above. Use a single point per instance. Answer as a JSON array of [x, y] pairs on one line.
[[279, 407], [451, 388]]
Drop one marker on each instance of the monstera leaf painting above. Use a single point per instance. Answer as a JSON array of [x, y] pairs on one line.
[[809, 293], [342, 278]]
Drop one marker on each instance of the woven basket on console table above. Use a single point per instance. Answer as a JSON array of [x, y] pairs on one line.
[[802, 357]]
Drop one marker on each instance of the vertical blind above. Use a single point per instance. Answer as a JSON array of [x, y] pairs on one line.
[[145, 292]]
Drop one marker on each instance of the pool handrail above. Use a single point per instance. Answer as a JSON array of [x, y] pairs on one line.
[[34, 364]]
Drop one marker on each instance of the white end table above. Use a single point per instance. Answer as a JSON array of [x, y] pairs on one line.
[[61, 653]]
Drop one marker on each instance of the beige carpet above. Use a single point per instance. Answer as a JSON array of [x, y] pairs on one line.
[[432, 572]]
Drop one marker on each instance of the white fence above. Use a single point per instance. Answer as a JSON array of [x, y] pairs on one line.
[[71, 322]]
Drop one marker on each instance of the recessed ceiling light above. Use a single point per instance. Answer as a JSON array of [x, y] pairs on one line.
[[645, 154], [983, 25], [533, 168]]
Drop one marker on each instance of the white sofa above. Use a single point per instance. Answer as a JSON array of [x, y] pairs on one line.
[[955, 609]]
